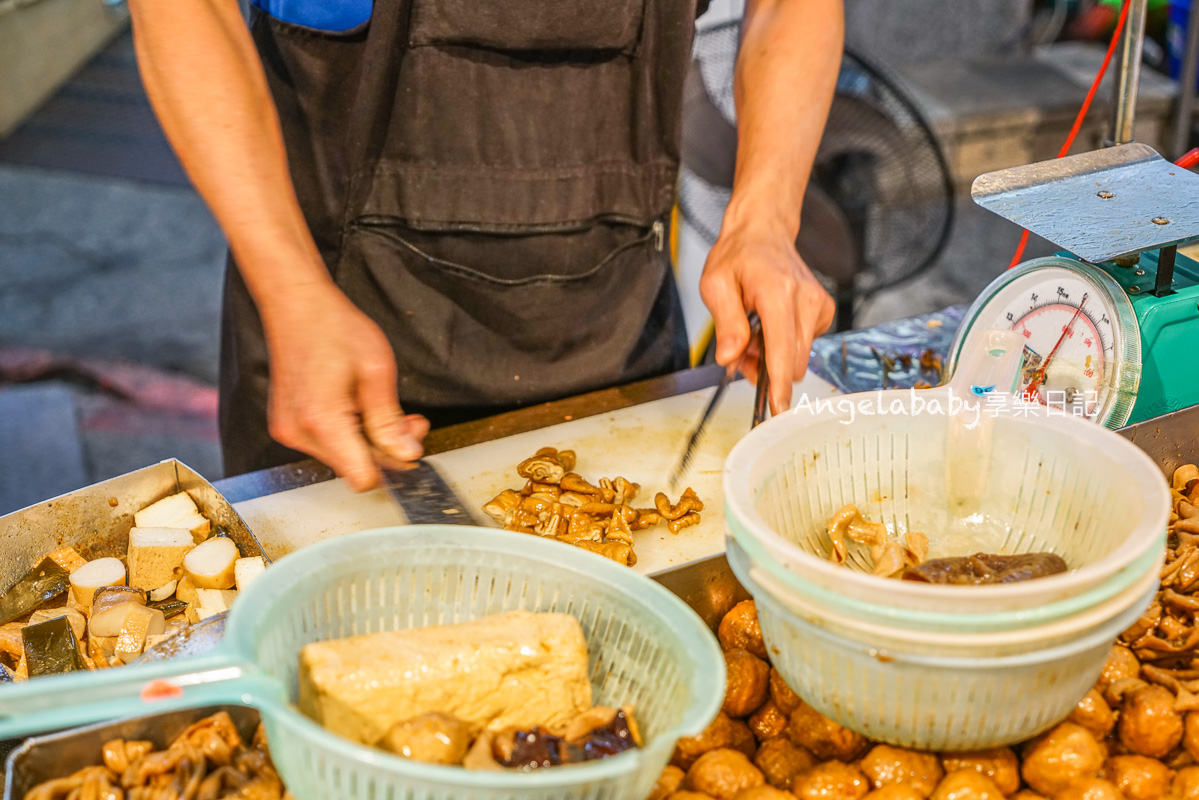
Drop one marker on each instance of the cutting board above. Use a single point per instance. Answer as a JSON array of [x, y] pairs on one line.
[[641, 443]]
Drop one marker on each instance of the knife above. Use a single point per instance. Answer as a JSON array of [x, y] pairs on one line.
[[425, 497], [760, 399]]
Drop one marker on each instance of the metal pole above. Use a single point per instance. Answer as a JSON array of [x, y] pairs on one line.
[[1186, 86], [1128, 73]]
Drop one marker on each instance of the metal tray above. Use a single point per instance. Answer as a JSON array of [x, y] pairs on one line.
[[61, 754], [1171, 440], [96, 520]]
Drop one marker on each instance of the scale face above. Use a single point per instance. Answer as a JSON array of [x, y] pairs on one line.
[[1082, 343]]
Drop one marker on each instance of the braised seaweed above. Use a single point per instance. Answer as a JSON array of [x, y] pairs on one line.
[[983, 568], [6, 675], [44, 582], [51, 648]]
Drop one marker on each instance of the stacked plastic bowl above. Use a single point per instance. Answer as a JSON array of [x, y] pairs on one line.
[[944, 667]]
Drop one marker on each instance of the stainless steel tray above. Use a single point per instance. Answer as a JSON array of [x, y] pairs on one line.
[[1171, 440], [96, 520], [61, 754]]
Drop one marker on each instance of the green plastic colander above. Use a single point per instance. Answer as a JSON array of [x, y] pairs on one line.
[[647, 649]]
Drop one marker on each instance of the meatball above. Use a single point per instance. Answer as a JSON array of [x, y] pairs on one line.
[[668, 783], [1138, 777], [1090, 789], [768, 721], [739, 630], [1028, 794], [1190, 734], [894, 792], [1058, 758], [824, 738], [999, 764], [764, 793], [831, 780], [748, 682], [723, 773], [967, 784], [888, 766], [1186, 784], [685, 795], [1094, 714], [1120, 664], [434, 738], [742, 738], [1149, 725], [782, 762], [781, 693], [719, 734]]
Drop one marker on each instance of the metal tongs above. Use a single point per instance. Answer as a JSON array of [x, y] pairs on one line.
[[761, 400]]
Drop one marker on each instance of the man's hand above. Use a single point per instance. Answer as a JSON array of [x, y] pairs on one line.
[[751, 271], [333, 386]]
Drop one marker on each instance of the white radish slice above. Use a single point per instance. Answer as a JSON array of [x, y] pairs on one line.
[[93, 575], [210, 564], [163, 592], [111, 607]]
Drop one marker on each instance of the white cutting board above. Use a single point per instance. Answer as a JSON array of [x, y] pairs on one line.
[[641, 443]]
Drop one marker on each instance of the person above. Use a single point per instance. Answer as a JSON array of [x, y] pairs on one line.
[[462, 205]]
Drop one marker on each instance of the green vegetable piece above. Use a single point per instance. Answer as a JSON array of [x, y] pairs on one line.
[[50, 648], [169, 607], [44, 582]]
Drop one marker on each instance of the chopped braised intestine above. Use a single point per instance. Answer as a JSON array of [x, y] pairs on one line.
[[983, 568], [889, 556], [597, 517]]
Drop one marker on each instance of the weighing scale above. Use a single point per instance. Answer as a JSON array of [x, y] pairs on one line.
[[1111, 323]]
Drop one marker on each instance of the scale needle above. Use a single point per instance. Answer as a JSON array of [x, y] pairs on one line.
[[1039, 375]]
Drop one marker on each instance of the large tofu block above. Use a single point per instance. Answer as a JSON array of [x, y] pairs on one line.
[[166, 511], [519, 668], [156, 555]]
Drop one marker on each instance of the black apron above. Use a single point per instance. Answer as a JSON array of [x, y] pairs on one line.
[[490, 181]]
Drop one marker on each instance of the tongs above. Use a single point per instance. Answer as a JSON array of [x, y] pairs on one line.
[[761, 399]]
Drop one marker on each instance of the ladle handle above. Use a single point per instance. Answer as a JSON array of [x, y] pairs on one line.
[[992, 365], [82, 698]]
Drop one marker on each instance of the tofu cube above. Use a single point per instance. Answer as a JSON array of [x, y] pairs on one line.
[[216, 600], [165, 511], [197, 524], [245, 570], [156, 556], [141, 623]]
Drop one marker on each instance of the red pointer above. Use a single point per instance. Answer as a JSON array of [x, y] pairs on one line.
[[1039, 375]]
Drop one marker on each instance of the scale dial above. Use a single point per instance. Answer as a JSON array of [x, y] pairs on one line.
[[1082, 344]]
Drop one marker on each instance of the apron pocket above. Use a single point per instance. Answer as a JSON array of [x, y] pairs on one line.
[[487, 320], [528, 24]]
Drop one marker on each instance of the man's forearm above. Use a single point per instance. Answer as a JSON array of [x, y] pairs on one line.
[[207, 86], [786, 74]]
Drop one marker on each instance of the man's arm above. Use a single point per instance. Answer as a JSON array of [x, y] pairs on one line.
[[786, 73], [332, 370]]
